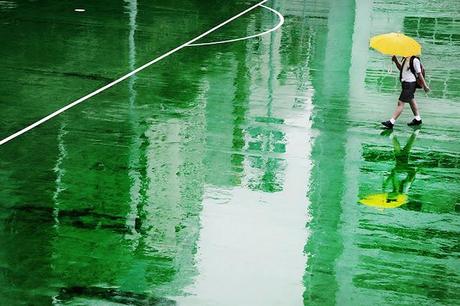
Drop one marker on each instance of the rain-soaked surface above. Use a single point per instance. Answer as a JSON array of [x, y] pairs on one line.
[[230, 174]]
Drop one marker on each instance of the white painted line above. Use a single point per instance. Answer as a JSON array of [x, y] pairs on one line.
[[82, 99], [79, 10], [281, 22]]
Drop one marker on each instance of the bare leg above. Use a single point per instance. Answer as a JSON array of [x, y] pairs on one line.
[[399, 109], [414, 107]]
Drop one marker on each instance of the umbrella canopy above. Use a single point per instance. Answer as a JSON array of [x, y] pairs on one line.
[[384, 200], [396, 44]]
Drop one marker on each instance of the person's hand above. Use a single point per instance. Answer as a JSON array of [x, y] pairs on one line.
[[426, 89]]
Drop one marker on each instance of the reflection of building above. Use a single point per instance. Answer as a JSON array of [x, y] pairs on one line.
[[330, 63], [135, 189], [121, 186], [255, 117], [249, 142], [257, 160], [266, 172]]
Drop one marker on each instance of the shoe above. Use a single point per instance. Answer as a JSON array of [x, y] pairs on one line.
[[414, 122], [388, 124]]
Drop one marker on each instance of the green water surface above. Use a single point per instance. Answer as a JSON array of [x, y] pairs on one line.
[[229, 174]]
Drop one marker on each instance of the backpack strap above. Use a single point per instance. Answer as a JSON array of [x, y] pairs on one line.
[[400, 71]]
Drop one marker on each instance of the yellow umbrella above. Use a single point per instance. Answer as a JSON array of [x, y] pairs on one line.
[[384, 200], [396, 44]]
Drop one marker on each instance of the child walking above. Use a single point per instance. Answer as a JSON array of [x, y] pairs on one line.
[[410, 74]]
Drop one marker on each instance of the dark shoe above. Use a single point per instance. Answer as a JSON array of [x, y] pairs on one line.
[[388, 124], [414, 122]]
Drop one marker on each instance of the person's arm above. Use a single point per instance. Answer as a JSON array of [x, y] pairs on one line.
[[395, 60], [418, 70], [425, 86]]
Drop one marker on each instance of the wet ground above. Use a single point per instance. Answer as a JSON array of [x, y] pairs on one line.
[[229, 174]]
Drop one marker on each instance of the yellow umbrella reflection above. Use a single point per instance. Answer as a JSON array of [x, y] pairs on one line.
[[396, 44], [385, 200]]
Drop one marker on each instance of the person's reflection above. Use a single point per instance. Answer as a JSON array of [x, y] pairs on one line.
[[397, 184], [403, 174]]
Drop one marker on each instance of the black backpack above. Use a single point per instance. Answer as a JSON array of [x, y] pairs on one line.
[[412, 69]]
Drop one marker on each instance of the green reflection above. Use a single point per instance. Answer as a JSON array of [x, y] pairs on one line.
[[231, 128], [103, 204], [435, 190], [27, 220], [401, 252], [330, 61], [110, 210]]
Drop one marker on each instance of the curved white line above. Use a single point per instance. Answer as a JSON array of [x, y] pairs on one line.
[[82, 99], [281, 17]]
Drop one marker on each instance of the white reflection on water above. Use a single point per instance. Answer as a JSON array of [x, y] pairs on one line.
[[250, 250]]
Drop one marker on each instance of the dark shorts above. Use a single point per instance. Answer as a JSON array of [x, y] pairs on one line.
[[407, 92]]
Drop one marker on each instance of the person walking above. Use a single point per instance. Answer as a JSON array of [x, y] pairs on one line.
[[410, 75]]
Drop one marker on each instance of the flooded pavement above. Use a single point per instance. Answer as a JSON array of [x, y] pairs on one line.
[[228, 174]]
